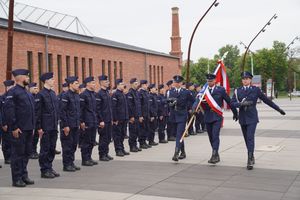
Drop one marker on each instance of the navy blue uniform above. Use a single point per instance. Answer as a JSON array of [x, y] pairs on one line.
[[6, 146], [89, 117], [212, 119], [70, 117], [171, 132], [145, 113], [190, 105], [179, 112], [248, 116], [120, 115], [153, 109], [134, 111], [19, 113], [47, 115], [35, 138], [162, 114], [104, 114]]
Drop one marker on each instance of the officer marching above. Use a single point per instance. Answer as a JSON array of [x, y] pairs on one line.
[[213, 119], [46, 125], [162, 113], [245, 98], [153, 109], [179, 99]]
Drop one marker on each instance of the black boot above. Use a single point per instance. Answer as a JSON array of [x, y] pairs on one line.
[[250, 161], [215, 158], [182, 154], [176, 154]]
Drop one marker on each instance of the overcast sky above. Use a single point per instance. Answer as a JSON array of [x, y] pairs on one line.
[[147, 23]]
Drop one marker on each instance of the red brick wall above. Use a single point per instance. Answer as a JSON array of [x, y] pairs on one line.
[[133, 63]]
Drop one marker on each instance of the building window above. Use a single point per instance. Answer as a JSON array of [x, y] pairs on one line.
[[30, 64], [76, 66], [59, 72], [83, 68], [121, 70], [103, 67], [40, 66], [91, 67], [109, 70], [162, 74], [154, 74], [68, 65], [150, 74], [158, 75], [50, 62], [115, 72]]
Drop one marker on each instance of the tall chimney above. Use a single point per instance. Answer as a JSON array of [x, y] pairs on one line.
[[175, 38]]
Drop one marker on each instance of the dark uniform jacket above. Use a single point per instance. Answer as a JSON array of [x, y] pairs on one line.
[[153, 105], [103, 103], [88, 108], [134, 104], [119, 106], [19, 109], [248, 114], [145, 106], [162, 103], [70, 110], [47, 112]]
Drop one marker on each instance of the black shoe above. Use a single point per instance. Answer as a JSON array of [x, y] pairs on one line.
[[47, 175], [28, 181], [69, 169], [250, 161], [76, 167], [182, 156], [7, 162], [57, 152], [144, 146], [120, 154], [109, 157], [87, 163], [134, 149], [104, 158], [55, 173], [148, 146], [215, 158], [193, 133], [139, 149], [94, 162], [34, 156], [126, 153], [163, 141], [171, 138], [200, 131], [126, 137], [19, 183], [153, 143], [176, 155], [0, 166]]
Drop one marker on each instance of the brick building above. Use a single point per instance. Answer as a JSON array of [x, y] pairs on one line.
[[74, 54]]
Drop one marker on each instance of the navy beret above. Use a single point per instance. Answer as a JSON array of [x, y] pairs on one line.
[[177, 78], [71, 79], [143, 81], [118, 81], [170, 82], [8, 83], [30, 85], [196, 85], [103, 78], [82, 86], [161, 86], [133, 80], [46, 76], [189, 85], [246, 75], [210, 76], [18, 72], [65, 85], [88, 79], [151, 86]]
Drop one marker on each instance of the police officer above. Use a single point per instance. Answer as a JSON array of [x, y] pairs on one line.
[[199, 121], [245, 99], [134, 113], [171, 133], [153, 109], [104, 115], [19, 114], [6, 146], [70, 122], [162, 113], [145, 110], [81, 90], [120, 118], [190, 87], [179, 99], [46, 125], [33, 89], [213, 119], [88, 119]]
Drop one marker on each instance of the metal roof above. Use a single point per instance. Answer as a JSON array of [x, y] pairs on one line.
[[34, 28]]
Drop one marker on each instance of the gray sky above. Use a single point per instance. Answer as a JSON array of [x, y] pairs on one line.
[[147, 23]]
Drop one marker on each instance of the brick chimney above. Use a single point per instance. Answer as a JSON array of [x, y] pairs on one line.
[[175, 38]]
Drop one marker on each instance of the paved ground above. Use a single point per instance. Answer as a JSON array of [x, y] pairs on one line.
[[151, 174]]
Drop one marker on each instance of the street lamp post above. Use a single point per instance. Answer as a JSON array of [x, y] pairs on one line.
[[251, 56], [248, 46], [215, 3]]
